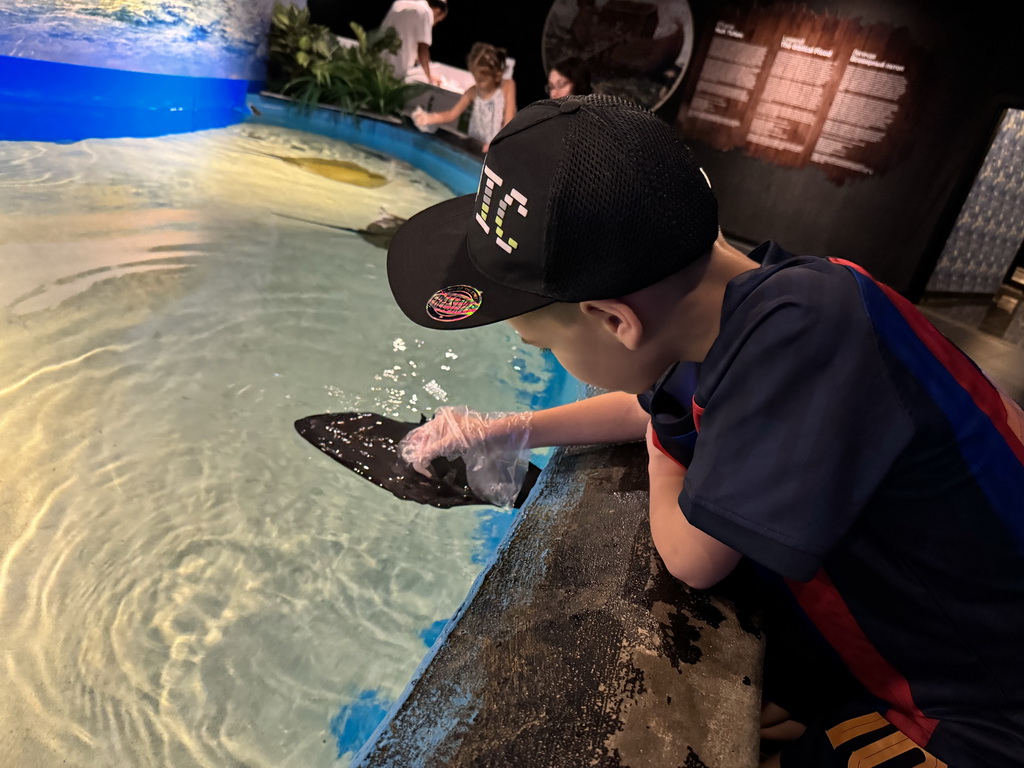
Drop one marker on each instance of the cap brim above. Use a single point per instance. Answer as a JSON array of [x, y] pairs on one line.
[[429, 258]]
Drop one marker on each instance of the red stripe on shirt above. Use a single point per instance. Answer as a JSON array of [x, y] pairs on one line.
[[822, 602], [660, 447], [983, 392], [697, 413]]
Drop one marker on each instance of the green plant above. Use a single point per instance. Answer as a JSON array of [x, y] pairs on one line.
[[308, 64], [299, 50]]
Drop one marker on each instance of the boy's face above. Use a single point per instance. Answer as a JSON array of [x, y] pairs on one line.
[[588, 349], [439, 15]]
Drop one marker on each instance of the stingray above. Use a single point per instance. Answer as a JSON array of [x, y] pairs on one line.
[[367, 444], [377, 233], [336, 170]]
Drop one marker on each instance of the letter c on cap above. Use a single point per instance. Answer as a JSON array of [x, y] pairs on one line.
[[490, 186]]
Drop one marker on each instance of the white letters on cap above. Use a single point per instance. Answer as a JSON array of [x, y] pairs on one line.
[[489, 180]]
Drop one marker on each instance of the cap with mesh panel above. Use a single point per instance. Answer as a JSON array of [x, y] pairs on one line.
[[585, 197]]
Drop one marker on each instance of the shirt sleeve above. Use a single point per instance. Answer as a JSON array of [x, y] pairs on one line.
[[800, 424], [680, 381], [669, 405], [425, 34]]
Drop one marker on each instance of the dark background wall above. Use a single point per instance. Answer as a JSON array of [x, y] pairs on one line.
[[894, 223]]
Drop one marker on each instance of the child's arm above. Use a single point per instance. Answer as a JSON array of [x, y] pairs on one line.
[[435, 118], [689, 554], [509, 88]]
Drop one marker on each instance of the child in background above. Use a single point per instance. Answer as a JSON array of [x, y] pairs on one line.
[[493, 97]]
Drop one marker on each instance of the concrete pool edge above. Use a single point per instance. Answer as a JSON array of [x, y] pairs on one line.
[[575, 646]]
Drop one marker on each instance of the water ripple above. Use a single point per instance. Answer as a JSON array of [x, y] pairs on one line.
[[183, 580]]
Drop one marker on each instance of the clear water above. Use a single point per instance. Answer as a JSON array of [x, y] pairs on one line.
[[184, 581]]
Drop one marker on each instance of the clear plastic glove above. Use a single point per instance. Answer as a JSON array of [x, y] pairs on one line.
[[494, 447], [420, 117]]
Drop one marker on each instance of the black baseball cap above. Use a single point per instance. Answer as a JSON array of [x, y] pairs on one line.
[[580, 198]]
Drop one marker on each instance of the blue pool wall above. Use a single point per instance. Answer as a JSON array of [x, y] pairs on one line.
[[49, 101], [456, 169], [73, 71]]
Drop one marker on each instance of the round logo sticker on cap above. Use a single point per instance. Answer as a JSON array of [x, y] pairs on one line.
[[454, 303]]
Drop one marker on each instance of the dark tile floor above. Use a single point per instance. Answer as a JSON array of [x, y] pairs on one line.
[[1001, 357]]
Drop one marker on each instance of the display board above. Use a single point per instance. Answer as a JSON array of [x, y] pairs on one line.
[[796, 88]]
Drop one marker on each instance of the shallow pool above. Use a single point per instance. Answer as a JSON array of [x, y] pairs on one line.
[[184, 580]]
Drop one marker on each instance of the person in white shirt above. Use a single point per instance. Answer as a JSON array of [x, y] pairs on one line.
[[414, 20]]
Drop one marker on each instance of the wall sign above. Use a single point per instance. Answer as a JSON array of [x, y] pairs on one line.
[[794, 88]]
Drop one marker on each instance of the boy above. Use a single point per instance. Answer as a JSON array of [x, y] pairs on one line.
[[829, 434], [413, 21]]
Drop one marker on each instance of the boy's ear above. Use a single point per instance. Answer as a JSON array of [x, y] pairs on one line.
[[616, 317]]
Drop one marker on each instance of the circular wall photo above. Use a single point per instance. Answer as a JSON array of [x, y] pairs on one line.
[[636, 49]]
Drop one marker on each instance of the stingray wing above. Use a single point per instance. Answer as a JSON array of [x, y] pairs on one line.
[[367, 444]]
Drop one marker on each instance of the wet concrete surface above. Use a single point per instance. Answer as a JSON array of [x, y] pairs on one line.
[[578, 648]]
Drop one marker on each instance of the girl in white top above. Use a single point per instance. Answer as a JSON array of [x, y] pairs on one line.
[[493, 97]]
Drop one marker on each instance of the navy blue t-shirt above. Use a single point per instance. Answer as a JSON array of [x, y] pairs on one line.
[[838, 440]]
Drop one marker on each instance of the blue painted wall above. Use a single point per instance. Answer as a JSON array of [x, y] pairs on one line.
[[74, 69]]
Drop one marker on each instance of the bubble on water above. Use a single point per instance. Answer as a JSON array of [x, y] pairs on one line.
[[435, 390]]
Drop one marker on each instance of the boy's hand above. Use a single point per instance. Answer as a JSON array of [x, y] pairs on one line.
[[460, 432], [494, 447]]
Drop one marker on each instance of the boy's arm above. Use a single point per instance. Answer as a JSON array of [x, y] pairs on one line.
[[614, 417], [611, 418], [689, 554]]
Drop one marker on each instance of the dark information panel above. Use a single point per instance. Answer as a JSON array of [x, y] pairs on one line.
[[794, 88]]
